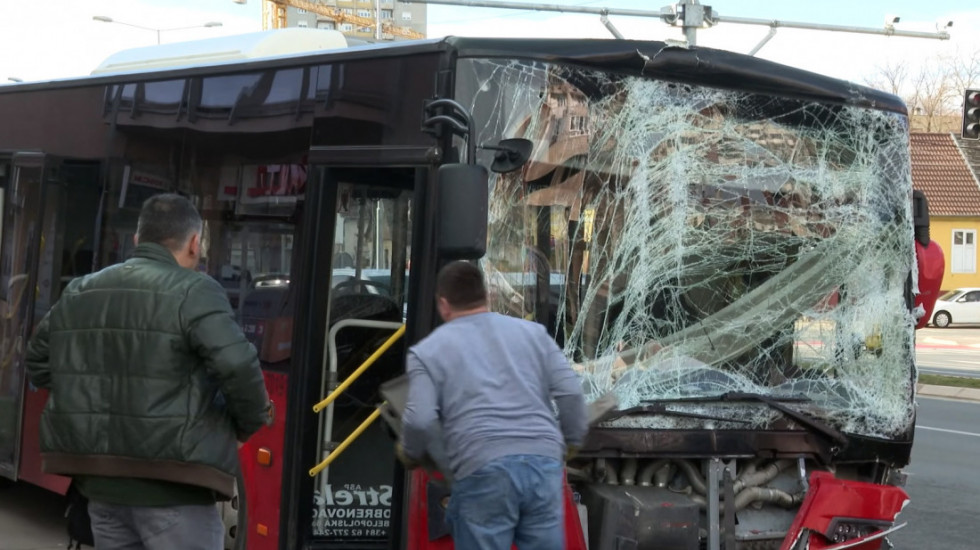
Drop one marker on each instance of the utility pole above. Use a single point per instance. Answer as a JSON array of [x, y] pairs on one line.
[[691, 16]]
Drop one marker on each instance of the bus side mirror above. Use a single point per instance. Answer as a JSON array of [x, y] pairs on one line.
[[464, 203]]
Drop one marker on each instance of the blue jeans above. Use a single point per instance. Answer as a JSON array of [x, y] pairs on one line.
[[512, 500], [193, 527]]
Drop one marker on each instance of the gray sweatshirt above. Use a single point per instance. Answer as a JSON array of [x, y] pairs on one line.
[[487, 382]]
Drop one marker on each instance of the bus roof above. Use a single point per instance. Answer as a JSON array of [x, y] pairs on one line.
[[284, 48], [242, 47]]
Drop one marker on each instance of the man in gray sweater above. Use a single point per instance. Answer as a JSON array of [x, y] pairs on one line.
[[488, 381]]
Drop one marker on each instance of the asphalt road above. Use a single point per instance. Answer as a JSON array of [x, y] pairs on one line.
[[31, 519], [943, 483]]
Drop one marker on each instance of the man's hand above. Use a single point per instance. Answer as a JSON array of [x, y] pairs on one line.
[[407, 461], [271, 414]]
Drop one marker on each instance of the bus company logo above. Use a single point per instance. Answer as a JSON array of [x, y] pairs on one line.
[[352, 512], [352, 495]]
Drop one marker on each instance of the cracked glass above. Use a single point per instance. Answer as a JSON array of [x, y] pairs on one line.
[[686, 241]]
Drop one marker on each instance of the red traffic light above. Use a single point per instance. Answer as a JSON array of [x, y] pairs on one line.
[[973, 98]]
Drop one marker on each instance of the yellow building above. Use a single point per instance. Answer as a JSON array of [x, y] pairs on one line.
[[941, 169]]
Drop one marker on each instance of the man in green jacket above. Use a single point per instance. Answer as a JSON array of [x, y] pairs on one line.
[[152, 383]]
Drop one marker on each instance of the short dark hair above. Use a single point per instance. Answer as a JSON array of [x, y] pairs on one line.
[[168, 219], [461, 284]]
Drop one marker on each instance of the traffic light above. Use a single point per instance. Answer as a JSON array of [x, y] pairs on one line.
[[971, 115]]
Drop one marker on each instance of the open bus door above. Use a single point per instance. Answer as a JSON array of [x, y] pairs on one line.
[[344, 298], [43, 199]]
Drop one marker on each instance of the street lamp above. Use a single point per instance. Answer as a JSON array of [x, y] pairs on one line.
[[105, 19], [14, 79]]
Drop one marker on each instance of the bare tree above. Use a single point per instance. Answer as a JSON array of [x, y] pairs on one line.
[[965, 69], [891, 77], [933, 94], [933, 91]]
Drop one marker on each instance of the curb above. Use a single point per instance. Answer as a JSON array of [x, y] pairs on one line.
[[948, 392]]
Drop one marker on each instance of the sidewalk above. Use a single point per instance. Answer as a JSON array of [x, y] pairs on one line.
[[949, 392]]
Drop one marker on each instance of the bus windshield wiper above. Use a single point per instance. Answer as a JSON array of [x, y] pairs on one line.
[[806, 420], [661, 409]]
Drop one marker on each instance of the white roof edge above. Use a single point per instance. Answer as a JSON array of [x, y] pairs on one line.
[[256, 45]]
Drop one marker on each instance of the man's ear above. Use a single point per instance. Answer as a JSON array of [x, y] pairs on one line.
[[194, 245], [443, 308]]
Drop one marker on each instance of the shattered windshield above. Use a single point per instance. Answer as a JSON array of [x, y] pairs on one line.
[[683, 241]]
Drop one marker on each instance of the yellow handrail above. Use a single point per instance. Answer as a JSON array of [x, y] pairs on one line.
[[346, 443], [360, 370]]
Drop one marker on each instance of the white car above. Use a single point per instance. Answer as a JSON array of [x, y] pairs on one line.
[[960, 306]]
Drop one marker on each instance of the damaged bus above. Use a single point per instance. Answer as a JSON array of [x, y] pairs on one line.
[[729, 247]]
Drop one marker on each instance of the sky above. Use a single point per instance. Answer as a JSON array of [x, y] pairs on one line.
[[53, 39]]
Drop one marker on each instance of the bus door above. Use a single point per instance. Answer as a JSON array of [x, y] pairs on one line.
[[42, 199], [366, 307]]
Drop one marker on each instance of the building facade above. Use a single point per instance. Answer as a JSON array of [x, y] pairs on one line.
[[941, 169], [406, 20]]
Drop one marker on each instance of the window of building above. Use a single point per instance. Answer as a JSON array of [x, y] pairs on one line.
[[387, 14], [329, 25], [346, 27], [302, 24], [364, 13], [964, 254], [406, 16], [301, 11]]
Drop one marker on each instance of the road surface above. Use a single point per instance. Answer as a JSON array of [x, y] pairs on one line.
[[31, 519], [943, 482]]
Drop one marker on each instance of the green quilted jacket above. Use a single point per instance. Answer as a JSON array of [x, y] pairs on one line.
[[149, 376]]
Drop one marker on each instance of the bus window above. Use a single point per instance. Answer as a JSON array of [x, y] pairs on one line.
[[22, 212], [81, 193], [369, 241], [251, 213]]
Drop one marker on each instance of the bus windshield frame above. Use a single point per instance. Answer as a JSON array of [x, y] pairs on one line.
[[682, 241]]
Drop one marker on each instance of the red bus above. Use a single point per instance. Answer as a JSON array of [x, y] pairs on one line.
[[676, 217]]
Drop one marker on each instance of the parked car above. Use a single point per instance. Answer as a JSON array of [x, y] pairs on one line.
[[959, 306]]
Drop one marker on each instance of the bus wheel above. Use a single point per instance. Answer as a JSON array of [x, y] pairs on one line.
[[234, 516]]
